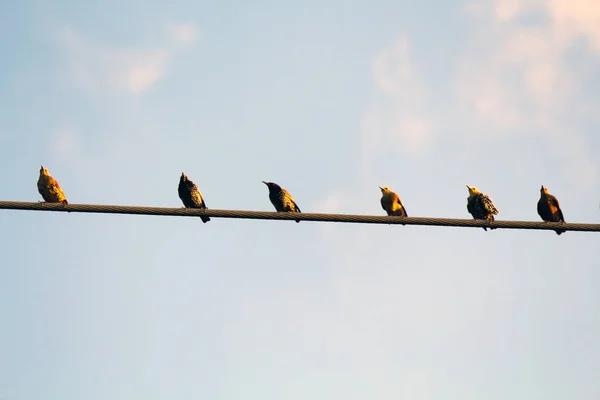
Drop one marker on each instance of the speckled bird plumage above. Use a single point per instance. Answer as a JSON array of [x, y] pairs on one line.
[[391, 203], [49, 188], [281, 199], [480, 205], [190, 195], [549, 209]]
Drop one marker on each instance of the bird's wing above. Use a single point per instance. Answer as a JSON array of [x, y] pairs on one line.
[[197, 197], [287, 196], [560, 215], [54, 187], [398, 201], [402, 208], [489, 204], [553, 202], [404, 212], [296, 206]]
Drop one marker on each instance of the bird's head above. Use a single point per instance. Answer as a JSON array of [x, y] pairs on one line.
[[473, 190], [384, 189], [543, 190], [183, 177], [43, 171], [271, 185]]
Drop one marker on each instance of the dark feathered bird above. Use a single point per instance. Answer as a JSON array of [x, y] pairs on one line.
[[549, 209], [391, 203], [191, 196], [480, 205], [49, 188], [281, 199]]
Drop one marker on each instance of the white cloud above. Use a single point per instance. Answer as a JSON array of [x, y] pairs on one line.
[[396, 118], [95, 66], [333, 204], [519, 80], [65, 142], [514, 78], [143, 70], [576, 17], [185, 34]]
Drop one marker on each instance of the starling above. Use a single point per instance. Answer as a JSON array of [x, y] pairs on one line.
[[480, 205], [191, 196], [49, 188], [281, 199], [549, 209], [391, 203]]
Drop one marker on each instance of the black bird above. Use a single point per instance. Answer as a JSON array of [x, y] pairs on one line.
[[480, 205], [281, 199], [549, 209], [191, 196]]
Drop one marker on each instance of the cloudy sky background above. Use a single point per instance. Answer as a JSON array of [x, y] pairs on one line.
[[118, 98]]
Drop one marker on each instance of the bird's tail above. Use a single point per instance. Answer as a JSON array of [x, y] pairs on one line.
[[491, 219], [559, 231], [297, 210], [205, 219]]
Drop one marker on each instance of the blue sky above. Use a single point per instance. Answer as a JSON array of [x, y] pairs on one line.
[[116, 99]]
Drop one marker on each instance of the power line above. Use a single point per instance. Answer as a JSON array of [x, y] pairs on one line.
[[349, 218]]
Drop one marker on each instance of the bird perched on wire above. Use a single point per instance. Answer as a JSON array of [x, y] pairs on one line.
[[50, 189], [281, 199], [480, 205], [191, 196], [549, 209], [391, 203]]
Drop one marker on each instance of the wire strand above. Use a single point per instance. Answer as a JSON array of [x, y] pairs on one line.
[[267, 215]]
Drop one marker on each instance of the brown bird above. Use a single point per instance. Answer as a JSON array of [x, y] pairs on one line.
[[49, 188], [549, 209], [391, 203], [190, 195], [281, 199]]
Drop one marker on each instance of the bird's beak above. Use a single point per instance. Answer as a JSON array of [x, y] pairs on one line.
[[380, 187], [468, 187], [265, 183]]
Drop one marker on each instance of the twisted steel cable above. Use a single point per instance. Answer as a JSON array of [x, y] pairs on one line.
[[349, 218]]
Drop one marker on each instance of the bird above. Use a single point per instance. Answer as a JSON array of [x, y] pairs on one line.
[[480, 205], [391, 203], [281, 199], [549, 209], [191, 196], [50, 189]]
